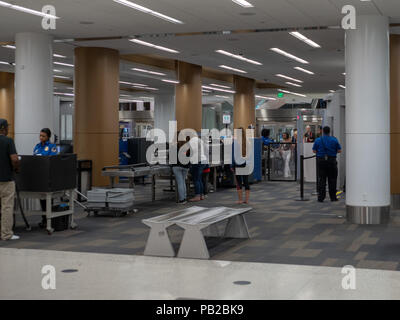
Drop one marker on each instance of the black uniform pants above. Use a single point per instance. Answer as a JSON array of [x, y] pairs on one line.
[[327, 169]]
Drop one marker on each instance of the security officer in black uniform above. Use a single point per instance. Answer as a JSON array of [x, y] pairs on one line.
[[327, 148]]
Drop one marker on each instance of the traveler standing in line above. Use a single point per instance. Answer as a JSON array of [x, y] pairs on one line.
[[294, 138], [180, 171], [198, 161], [309, 135], [286, 153], [240, 162], [265, 133], [44, 148], [327, 148], [9, 163]]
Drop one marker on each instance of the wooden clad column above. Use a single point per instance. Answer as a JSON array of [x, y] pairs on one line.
[[96, 108], [244, 112], [395, 119], [7, 99], [188, 105]]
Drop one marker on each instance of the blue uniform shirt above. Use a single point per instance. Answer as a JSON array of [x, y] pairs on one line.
[[48, 149], [326, 145]]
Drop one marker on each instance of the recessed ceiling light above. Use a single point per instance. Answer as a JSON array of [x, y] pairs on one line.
[[294, 93], [170, 81], [27, 10], [148, 71], [63, 64], [148, 44], [293, 84], [219, 85], [288, 55], [232, 69], [344, 73], [265, 97], [236, 56], [342, 86], [218, 89], [332, 91], [243, 3], [288, 78], [223, 97], [148, 11], [58, 56], [303, 38], [304, 70], [9, 46]]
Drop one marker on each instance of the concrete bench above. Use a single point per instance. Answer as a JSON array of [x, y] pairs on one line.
[[197, 223]]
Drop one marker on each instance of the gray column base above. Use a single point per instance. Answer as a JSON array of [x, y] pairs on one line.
[[395, 201], [368, 215]]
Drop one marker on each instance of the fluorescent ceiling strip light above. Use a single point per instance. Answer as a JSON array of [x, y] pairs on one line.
[[8, 46], [3, 62], [344, 73], [27, 10], [223, 97], [232, 69], [170, 81], [294, 93], [243, 3], [342, 86], [219, 85], [331, 91], [217, 89], [304, 70], [148, 11], [63, 64], [264, 97], [148, 44], [303, 38], [55, 70], [208, 91], [128, 100], [59, 56], [288, 55], [61, 77], [64, 94], [293, 84], [288, 78], [144, 88], [133, 84], [236, 56], [148, 71]]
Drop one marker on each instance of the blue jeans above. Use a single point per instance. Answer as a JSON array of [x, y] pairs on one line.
[[197, 173], [180, 174]]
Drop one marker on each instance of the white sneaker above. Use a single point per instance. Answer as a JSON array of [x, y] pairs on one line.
[[14, 237]]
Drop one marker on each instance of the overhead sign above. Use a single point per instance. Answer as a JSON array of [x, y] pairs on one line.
[[226, 119], [281, 95]]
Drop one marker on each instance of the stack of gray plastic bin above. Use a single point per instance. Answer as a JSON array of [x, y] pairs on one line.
[[116, 198]]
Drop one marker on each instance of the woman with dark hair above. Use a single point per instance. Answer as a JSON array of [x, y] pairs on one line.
[[265, 136], [286, 153], [240, 162], [44, 147]]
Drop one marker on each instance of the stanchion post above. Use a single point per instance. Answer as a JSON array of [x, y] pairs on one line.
[[302, 180]]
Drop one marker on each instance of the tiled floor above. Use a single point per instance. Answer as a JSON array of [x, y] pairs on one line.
[[283, 230], [106, 276]]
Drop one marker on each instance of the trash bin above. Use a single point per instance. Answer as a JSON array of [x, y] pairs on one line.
[[85, 171]]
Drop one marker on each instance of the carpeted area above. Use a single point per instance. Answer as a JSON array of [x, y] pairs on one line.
[[283, 231]]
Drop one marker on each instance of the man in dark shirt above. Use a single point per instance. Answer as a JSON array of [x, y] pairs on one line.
[[327, 148], [8, 164]]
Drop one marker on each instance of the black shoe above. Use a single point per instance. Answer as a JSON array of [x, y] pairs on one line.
[[319, 200], [333, 200]]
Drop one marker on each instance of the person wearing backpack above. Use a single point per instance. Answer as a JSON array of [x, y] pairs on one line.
[[326, 148]]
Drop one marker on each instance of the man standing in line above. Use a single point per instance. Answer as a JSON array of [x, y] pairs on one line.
[[8, 164], [327, 148]]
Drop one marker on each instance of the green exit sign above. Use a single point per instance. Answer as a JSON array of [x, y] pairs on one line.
[[281, 95]]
